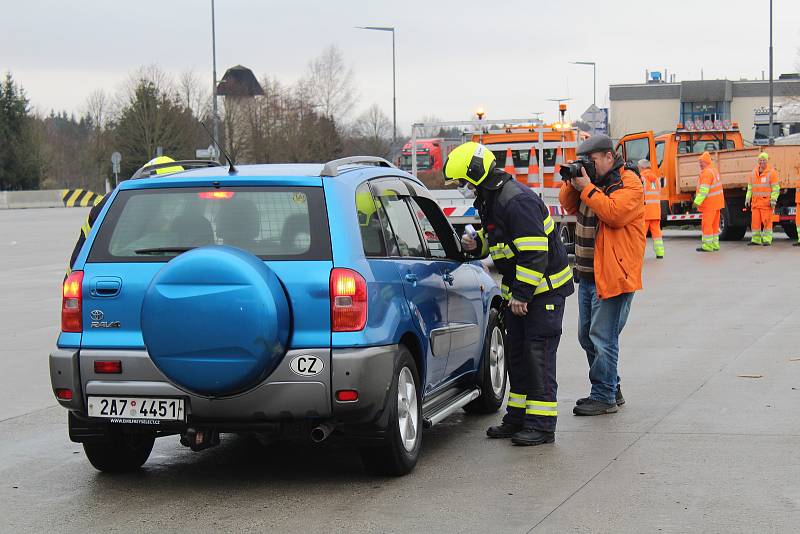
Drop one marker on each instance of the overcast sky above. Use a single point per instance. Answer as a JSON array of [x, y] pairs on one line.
[[452, 57]]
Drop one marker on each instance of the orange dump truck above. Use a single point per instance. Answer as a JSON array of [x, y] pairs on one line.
[[674, 156]]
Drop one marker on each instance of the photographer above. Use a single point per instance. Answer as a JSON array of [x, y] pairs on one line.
[[608, 200]]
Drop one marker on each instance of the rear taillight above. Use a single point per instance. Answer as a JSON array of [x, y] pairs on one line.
[[107, 366], [348, 301], [71, 303], [64, 394]]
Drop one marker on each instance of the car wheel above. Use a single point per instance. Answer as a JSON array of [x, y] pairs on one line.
[[398, 453], [121, 453], [493, 375]]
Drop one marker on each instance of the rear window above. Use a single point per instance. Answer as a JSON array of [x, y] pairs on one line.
[[704, 145], [274, 223]]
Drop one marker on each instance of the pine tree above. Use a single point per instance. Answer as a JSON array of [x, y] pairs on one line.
[[20, 161]]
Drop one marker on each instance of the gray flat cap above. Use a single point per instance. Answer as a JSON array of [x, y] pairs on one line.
[[596, 143]]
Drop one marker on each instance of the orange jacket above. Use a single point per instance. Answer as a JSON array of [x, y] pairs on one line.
[[620, 239], [760, 187], [709, 195], [652, 195]]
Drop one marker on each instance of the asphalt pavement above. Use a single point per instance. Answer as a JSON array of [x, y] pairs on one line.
[[707, 442]]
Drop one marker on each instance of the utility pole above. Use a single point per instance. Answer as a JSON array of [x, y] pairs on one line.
[[214, 89], [771, 110], [394, 78]]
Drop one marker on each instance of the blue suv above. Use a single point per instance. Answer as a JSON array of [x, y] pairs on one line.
[[291, 301]]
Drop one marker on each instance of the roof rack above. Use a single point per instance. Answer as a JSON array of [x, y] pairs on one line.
[[147, 171], [332, 167]]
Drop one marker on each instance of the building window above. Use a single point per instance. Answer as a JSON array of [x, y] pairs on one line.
[[691, 111]]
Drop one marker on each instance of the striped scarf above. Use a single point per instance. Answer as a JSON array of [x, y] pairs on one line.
[[585, 230]]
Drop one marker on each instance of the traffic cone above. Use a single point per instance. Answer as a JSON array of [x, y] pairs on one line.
[[533, 169], [509, 168], [559, 161]]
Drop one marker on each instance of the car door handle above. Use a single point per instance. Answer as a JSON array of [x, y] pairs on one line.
[[106, 287], [449, 278], [412, 279]]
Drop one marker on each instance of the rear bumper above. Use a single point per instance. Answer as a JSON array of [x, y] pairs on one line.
[[283, 396]]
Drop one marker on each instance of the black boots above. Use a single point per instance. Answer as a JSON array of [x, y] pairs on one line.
[[595, 407], [530, 436], [503, 430]]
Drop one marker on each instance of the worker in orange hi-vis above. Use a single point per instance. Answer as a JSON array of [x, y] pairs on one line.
[[763, 188], [652, 205], [709, 200], [797, 210]]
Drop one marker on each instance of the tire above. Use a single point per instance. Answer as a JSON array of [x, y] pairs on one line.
[[728, 232], [492, 376], [790, 230], [121, 453], [397, 456], [567, 235]]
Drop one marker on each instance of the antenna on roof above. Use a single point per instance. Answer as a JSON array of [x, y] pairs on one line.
[[231, 167]]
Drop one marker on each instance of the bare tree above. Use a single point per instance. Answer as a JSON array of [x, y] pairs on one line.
[[192, 92], [329, 82], [373, 132], [429, 131], [98, 108]]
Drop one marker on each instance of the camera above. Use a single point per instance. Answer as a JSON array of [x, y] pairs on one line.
[[572, 170]]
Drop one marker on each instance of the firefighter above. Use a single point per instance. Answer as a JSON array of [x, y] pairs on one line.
[[101, 202], [652, 206], [709, 200], [520, 236], [762, 195]]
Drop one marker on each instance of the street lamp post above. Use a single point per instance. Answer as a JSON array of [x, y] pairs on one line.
[[771, 110], [214, 88], [594, 77], [394, 78]]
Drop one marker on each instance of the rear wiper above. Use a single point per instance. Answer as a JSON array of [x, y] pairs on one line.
[[159, 250]]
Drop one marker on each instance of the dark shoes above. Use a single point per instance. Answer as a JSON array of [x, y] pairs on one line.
[[503, 430], [620, 399], [796, 244], [529, 436], [701, 249], [753, 244], [595, 407]]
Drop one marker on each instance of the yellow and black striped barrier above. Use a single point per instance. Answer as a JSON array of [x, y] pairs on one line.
[[74, 198]]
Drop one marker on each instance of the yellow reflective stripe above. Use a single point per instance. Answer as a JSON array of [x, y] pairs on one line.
[[496, 252], [549, 225], [529, 276], [484, 242], [556, 280], [86, 228], [515, 400], [549, 307], [541, 408], [531, 243], [505, 292]]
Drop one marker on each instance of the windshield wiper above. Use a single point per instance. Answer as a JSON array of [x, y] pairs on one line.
[[159, 250]]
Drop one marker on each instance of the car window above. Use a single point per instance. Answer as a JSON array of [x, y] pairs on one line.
[[699, 146], [402, 223], [370, 223], [637, 149], [432, 239], [660, 146], [270, 222]]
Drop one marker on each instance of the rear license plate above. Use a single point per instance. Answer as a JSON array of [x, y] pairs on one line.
[[793, 210], [134, 409]]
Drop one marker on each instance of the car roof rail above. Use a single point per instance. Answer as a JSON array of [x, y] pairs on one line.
[[146, 171], [332, 167]]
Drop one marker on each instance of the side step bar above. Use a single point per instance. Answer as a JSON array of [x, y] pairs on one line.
[[438, 412]]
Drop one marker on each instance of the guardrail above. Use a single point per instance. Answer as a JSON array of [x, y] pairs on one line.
[[49, 198]]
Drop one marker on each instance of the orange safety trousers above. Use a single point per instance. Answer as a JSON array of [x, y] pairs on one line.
[[710, 227], [761, 218], [654, 227]]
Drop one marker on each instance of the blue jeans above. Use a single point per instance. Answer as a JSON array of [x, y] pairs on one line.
[[599, 325]]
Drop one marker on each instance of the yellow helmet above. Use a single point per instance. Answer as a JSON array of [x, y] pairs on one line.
[[163, 170], [764, 156], [471, 162]]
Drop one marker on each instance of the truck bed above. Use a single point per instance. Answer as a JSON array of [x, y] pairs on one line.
[[736, 165]]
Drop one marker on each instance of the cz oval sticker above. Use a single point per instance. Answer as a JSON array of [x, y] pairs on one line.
[[306, 365]]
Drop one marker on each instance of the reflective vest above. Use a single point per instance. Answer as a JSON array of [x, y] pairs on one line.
[[652, 195], [763, 188], [709, 190]]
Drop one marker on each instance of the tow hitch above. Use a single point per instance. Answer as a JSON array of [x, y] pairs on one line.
[[199, 439]]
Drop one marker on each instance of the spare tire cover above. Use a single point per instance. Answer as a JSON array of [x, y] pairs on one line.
[[215, 320]]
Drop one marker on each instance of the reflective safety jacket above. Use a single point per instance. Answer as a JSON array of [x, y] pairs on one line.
[[763, 188], [709, 195], [519, 235], [652, 195], [85, 229]]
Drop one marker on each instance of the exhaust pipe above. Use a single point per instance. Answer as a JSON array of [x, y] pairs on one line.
[[321, 432]]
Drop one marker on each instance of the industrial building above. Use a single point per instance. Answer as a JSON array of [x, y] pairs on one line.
[[659, 105]]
